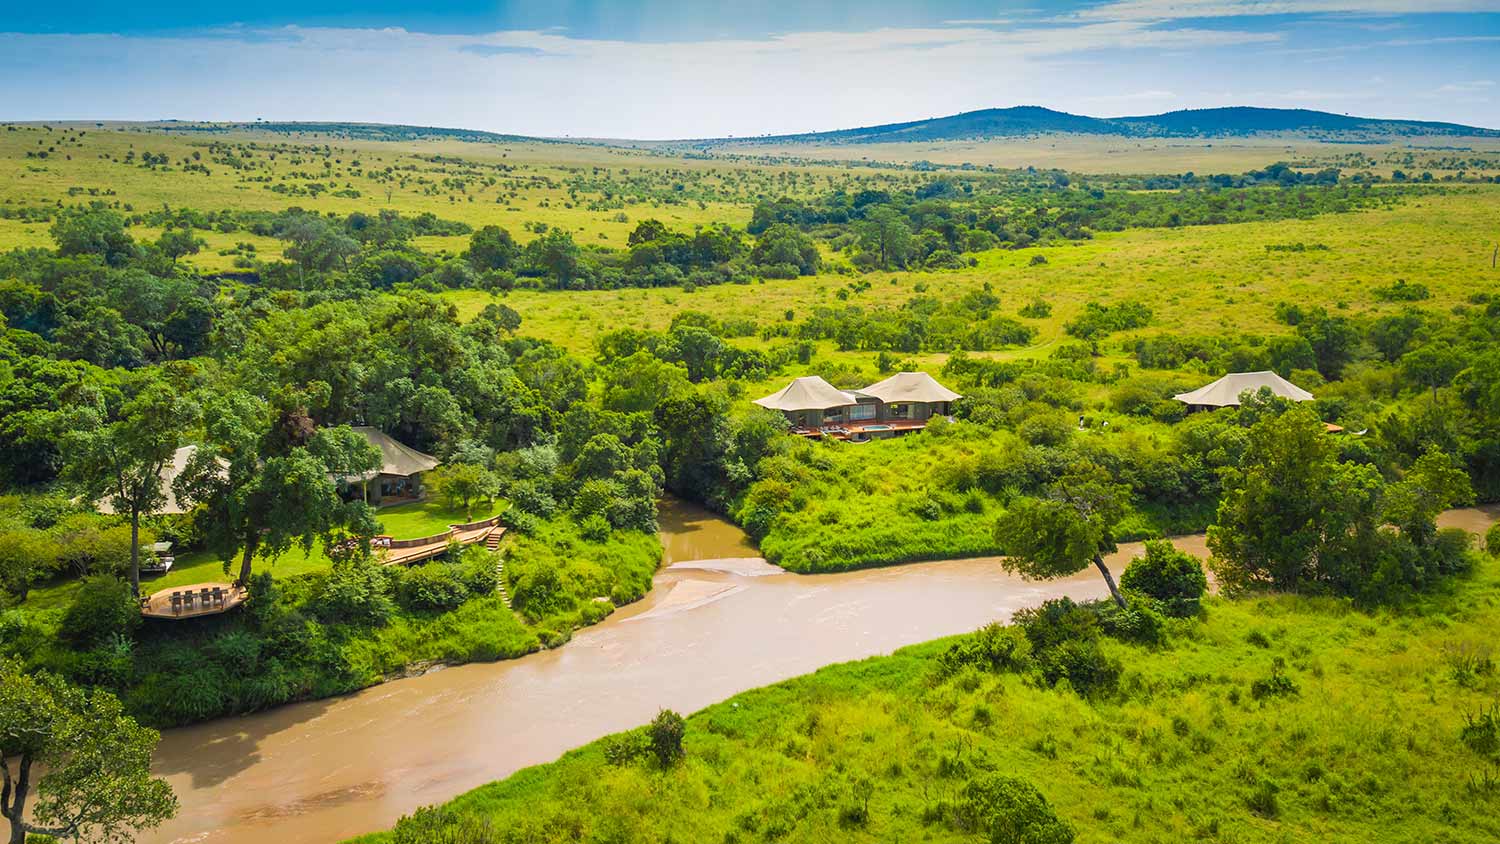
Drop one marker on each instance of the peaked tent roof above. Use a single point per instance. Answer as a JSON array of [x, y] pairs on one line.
[[910, 386], [396, 458], [807, 393], [169, 473], [1226, 391]]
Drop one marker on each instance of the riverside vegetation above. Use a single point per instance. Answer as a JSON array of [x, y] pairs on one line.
[[576, 336]]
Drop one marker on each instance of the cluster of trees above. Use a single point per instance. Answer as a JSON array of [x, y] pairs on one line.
[[935, 223], [656, 256], [972, 322]]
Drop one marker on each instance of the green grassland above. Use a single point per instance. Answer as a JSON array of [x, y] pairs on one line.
[[1364, 745], [1196, 280], [1107, 154]]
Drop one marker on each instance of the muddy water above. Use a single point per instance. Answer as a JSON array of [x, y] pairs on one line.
[[322, 771]]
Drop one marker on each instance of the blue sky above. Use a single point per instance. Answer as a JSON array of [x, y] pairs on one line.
[[693, 69]]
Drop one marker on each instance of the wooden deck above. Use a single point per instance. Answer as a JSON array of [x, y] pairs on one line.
[[159, 605], [391, 552], [403, 552], [857, 430]]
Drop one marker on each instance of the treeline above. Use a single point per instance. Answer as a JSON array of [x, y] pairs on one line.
[[972, 322], [931, 224]]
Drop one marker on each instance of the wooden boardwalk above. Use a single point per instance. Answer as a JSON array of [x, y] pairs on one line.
[[400, 552]]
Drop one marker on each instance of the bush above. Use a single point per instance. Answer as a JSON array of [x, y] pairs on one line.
[[666, 732], [1006, 809], [1276, 685], [1140, 623], [1083, 664], [624, 748], [357, 592], [102, 608], [538, 591], [435, 586], [1172, 577], [994, 647], [595, 528], [479, 571], [1492, 540], [1056, 621]]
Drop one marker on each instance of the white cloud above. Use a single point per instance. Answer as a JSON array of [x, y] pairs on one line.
[[1164, 10], [1478, 86]]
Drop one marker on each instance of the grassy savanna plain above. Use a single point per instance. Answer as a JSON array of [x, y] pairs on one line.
[[1095, 154], [1359, 741], [1203, 279]]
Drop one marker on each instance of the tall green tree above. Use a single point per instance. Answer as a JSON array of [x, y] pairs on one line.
[[1433, 484], [270, 480], [492, 248], [94, 762], [1061, 533], [886, 234], [1292, 515], [119, 443]]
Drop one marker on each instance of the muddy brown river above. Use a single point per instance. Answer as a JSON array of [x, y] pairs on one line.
[[327, 770]]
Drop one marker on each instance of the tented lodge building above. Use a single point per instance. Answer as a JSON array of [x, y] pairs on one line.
[[901, 403]]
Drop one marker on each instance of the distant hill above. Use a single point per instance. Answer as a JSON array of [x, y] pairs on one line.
[[1192, 123], [347, 131]]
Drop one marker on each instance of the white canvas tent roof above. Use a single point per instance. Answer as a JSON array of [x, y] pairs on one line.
[[1226, 391], [910, 386], [807, 393], [396, 458], [169, 473]]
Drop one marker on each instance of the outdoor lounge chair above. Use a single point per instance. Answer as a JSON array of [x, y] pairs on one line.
[[205, 598], [176, 603], [218, 596], [187, 599]]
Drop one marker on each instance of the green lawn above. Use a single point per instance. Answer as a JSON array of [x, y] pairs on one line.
[[425, 518], [402, 521]]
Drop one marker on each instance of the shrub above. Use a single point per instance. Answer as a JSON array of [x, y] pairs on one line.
[[1140, 623], [1276, 685], [1263, 801], [1037, 309], [1056, 621], [624, 748], [1165, 574], [357, 592], [478, 569], [994, 647], [1006, 809], [539, 592], [1083, 664], [666, 732], [1481, 733], [435, 586], [1492, 540], [102, 608], [595, 528]]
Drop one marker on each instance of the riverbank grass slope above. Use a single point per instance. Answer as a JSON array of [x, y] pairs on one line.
[[1376, 731]]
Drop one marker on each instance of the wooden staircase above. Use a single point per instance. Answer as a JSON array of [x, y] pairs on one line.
[[492, 542]]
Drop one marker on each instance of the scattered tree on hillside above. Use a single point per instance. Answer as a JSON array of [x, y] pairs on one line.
[[1062, 532]]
